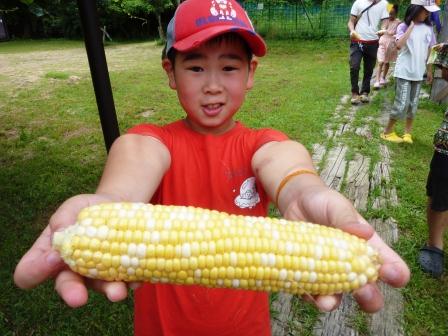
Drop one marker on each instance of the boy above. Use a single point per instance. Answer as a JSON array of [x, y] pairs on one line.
[[208, 160]]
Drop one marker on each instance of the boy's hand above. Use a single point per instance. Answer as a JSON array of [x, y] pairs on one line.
[[41, 262], [325, 206]]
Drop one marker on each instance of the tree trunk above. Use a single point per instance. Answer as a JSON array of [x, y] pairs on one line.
[[160, 27], [439, 85]]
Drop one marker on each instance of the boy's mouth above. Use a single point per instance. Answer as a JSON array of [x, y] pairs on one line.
[[212, 110]]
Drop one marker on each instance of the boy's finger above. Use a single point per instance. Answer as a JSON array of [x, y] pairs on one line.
[[324, 303], [38, 264], [327, 303], [369, 298], [70, 286], [115, 291], [394, 270], [358, 228]]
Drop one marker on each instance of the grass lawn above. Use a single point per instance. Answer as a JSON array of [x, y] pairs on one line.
[[51, 148]]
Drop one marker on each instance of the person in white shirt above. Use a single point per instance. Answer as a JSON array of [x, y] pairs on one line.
[[415, 37], [364, 22]]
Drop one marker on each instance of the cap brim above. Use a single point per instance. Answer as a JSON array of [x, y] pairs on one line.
[[432, 8], [255, 42]]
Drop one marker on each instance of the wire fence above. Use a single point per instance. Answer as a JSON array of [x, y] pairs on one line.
[[304, 18], [299, 19]]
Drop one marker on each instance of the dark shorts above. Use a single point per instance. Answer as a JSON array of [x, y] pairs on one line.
[[437, 184]]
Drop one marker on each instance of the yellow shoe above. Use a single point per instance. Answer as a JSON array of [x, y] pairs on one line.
[[392, 137], [407, 138]]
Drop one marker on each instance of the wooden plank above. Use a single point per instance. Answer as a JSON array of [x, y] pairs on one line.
[[388, 321], [318, 154], [380, 177], [333, 173], [280, 319], [357, 181], [337, 323], [364, 131]]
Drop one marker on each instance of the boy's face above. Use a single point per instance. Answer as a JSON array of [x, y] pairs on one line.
[[211, 83]]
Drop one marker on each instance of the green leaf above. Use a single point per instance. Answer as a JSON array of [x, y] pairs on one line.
[[27, 2]]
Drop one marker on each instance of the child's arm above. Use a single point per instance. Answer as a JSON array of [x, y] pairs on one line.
[[306, 197], [133, 170], [402, 37]]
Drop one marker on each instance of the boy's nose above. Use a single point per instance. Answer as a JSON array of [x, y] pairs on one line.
[[212, 84]]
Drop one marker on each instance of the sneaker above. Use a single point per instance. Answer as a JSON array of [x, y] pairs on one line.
[[407, 138], [376, 85], [355, 100], [383, 82], [365, 98], [392, 137]]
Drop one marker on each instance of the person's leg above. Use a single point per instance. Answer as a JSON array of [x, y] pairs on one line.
[[437, 225], [408, 125], [385, 71], [414, 94], [431, 256], [369, 56], [390, 126], [355, 64], [401, 103], [379, 72]]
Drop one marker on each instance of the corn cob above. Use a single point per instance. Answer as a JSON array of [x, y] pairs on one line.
[[187, 245]]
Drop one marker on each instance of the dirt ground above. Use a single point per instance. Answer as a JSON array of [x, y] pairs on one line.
[[22, 69]]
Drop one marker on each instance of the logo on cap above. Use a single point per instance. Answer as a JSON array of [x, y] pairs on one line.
[[223, 9]]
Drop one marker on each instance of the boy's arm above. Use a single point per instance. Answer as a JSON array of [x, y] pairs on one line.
[[306, 197], [134, 168]]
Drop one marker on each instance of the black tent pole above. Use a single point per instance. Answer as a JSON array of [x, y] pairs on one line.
[[98, 70]]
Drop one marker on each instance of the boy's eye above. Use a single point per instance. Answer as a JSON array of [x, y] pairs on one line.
[[229, 68], [195, 68]]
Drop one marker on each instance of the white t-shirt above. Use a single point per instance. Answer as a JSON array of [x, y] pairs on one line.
[[369, 23], [411, 61]]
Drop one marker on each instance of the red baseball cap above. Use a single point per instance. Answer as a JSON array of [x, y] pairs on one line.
[[197, 21]]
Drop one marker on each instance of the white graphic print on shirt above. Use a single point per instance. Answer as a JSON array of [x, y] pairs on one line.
[[248, 196]]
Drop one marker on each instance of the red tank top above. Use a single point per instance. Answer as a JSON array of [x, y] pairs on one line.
[[212, 172]]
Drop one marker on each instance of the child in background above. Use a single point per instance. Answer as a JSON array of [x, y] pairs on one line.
[[387, 50], [415, 37], [208, 160], [431, 256], [435, 18]]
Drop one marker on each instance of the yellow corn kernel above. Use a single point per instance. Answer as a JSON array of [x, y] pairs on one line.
[[187, 245]]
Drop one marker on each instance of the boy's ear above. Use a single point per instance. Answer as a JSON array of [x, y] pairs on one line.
[[169, 69], [250, 78]]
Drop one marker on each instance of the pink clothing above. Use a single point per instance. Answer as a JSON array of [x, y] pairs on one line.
[[387, 50]]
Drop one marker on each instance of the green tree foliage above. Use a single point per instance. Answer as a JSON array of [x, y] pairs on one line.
[[134, 8], [60, 18]]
